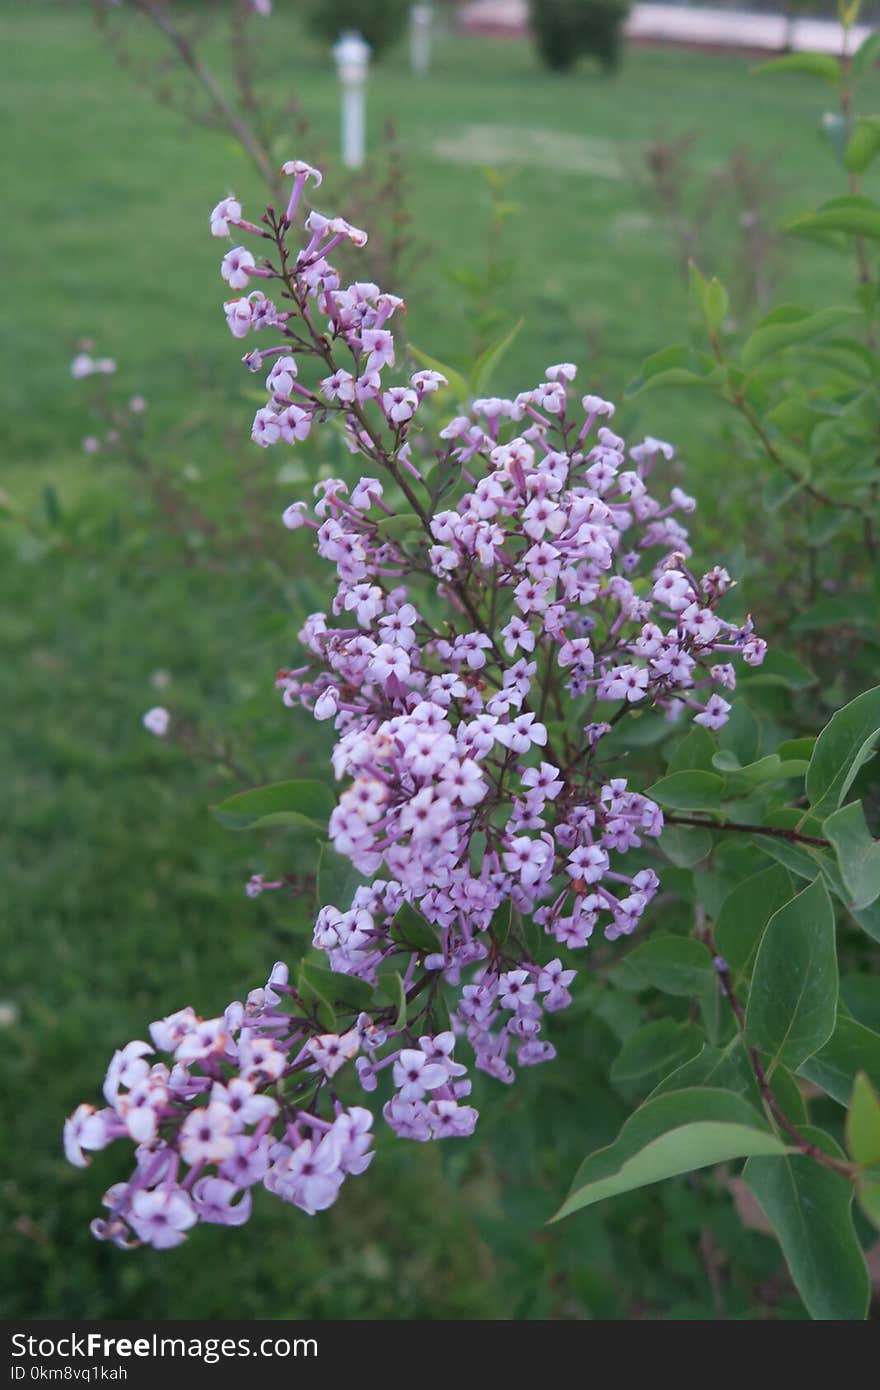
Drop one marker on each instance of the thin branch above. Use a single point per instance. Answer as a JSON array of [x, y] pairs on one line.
[[778, 832]]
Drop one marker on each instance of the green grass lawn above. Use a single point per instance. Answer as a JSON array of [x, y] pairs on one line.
[[122, 898]]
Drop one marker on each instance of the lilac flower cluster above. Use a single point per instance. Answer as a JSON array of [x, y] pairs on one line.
[[508, 592], [218, 1106]]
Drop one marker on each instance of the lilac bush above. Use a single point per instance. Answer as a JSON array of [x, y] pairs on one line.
[[508, 592]]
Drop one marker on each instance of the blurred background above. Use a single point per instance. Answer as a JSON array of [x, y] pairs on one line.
[[562, 182]]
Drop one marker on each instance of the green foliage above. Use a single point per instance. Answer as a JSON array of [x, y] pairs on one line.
[[381, 22], [670, 1134], [810, 1209], [793, 995], [304, 806], [565, 30]]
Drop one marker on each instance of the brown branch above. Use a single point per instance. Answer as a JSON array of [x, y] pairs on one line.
[[779, 832]]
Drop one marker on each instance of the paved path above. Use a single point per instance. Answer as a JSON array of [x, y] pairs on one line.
[[685, 25]]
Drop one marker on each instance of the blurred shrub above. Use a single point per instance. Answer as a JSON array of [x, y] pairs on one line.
[[567, 29], [381, 21]]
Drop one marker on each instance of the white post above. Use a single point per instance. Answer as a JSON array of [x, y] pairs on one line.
[[420, 18], [352, 54]]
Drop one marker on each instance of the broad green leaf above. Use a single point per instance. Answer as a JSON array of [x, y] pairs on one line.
[[797, 748], [693, 752], [776, 333], [858, 854], [854, 216], [338, 879], [673, 1133], [864, 145], [741, 735], [302, 805], [457, 384], [810, 1209], [672, 964], [869, 1200], [488, 361], [866, 55], [863, 1123], [744, 915], [342, 991], [656, 1049], [861, 995], [868, 919], [688, 791], [398, 527], [779, 668], [792, 1003], [676, 366], [725, 1068], [843, 747], [769, 769], [852, 1048], [685, 845], [314, 999], [811, 64], [409, 928]]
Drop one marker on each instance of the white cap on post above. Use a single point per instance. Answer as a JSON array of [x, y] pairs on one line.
[[352, 54]]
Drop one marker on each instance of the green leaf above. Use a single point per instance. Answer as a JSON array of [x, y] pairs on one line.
[[338, 879], [854, 216], [672, 964], [694, 752], [711, 298], [741, 735], [313, 997], [673, 1133], [656, 1049], [685, 845], [676, 366], [843, 747], [863, 1123], [769, 769], [861, 995], [869, 1200], [409, 928], [812, 64], [744, 915], [391, 990], [864, 145], [342, 991], [488, 361], [457, 384], [851, 1048], [724, 1069], [779, 668], [810, 1209], [688, 791], [397, 528], [303, 805], [866, 55], [792, 1003], [788, 325], [796, 749], [858, 854], [834, 127]]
